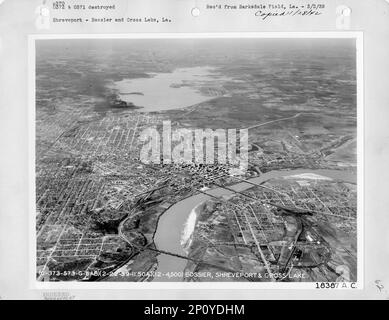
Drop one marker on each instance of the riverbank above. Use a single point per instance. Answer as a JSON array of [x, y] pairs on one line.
[[168, 235]]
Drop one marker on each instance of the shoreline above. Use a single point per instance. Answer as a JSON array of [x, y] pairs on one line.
[[165, 262]]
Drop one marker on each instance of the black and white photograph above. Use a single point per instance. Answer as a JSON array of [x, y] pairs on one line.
[[194, 158], [197, 159]]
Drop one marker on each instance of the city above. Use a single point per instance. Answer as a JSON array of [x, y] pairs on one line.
[[103, 214]]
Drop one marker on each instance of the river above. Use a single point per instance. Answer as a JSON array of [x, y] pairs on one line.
[[174, 221]]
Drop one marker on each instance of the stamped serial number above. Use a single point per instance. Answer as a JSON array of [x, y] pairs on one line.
[[335, 285]]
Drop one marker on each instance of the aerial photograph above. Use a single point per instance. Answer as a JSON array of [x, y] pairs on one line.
[[196, 160]]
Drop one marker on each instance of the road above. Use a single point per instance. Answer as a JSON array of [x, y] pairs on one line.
[[265, 123]]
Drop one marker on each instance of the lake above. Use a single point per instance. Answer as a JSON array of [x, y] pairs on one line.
[[165, 91]]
